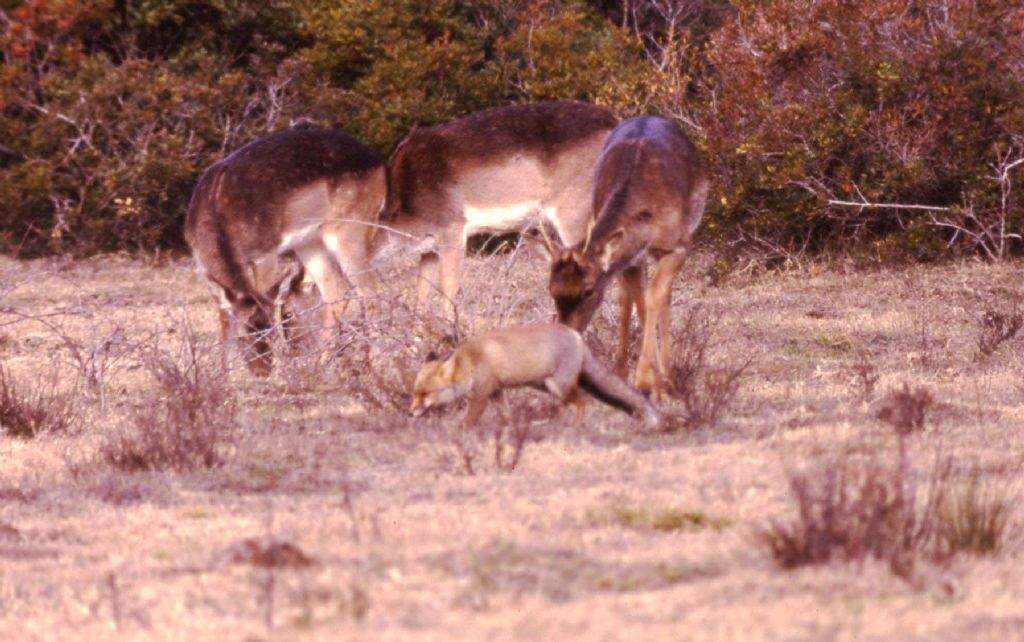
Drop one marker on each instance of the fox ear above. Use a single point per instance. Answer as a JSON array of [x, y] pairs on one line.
[[447, 370], [431, 356]]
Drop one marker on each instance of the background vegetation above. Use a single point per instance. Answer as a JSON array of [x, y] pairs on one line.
[[110, 110]]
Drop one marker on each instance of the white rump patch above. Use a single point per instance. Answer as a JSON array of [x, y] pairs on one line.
[[500, 218]]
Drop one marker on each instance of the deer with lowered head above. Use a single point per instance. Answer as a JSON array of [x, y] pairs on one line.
[[649, 194], [500, 170], [311, 192]]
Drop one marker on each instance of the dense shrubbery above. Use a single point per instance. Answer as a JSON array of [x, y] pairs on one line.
[[880, 101], [109, 110]]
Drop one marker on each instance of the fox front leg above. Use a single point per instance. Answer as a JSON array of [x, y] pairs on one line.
[[477, 405]]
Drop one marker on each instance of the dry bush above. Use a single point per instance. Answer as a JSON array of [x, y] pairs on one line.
[[905, 410], [851, 506], [187, 419], [28, 410], [705, 392], [504, 437], [375, 358], [999, 323]]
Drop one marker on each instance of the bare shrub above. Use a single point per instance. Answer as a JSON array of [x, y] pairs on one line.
[[186, 420], [850, 507], [28, 410], [905, 409], [705, 392], [506, 436], [375, 359], [998, 324]]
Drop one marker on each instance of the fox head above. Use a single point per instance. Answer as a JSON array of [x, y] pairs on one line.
[[436, 385]]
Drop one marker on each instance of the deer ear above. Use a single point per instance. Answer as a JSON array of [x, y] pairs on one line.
[[611, 248], [555, 248]]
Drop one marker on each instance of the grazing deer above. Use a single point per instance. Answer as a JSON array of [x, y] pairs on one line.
[[649, 195], [500, 170], [315, 193]]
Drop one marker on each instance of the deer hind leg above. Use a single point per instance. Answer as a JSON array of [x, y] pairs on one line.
[[632, 284], [228, 328], [333, 289], [451, 257], [427, 280], [652, 368], [349, 246]]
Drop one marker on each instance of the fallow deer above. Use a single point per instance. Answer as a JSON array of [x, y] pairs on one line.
[[499, 170], [649, 194], [312, 192]]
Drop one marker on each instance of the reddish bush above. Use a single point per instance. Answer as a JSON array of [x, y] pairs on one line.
[[881, 101]]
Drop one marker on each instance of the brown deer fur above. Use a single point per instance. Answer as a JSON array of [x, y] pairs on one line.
[[500, 170], [649, 194], [313, 192]]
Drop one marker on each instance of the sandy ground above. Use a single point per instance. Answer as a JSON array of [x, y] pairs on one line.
[[398, 541]]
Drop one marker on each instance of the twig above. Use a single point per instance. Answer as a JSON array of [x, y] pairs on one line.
[[892, 206]]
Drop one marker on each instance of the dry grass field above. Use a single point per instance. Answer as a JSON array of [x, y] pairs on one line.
[[146, 493]]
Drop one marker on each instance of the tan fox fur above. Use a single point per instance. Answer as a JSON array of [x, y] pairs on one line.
[[551, 356]]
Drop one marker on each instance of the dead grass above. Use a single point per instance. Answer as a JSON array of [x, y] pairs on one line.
[[563, 531]]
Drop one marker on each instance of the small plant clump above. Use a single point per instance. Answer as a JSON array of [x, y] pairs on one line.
[[849, 509], [905, 409], [997, 326], [29, 411], [851, 506], [706, 393], [973, 516], [186, 422]]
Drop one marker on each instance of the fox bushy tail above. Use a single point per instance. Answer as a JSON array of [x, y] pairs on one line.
[[602, 383]]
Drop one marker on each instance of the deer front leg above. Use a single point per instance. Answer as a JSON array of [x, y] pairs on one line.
[[652, 370], [632, 283], [349, 247], [320, 265]]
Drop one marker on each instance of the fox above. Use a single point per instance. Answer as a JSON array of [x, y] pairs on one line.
[[549, 356]]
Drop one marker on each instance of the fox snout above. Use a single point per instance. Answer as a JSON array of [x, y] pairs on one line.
[[420, 404], [417, 407]]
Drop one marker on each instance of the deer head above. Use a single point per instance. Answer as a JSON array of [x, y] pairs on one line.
[[576, 285]]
